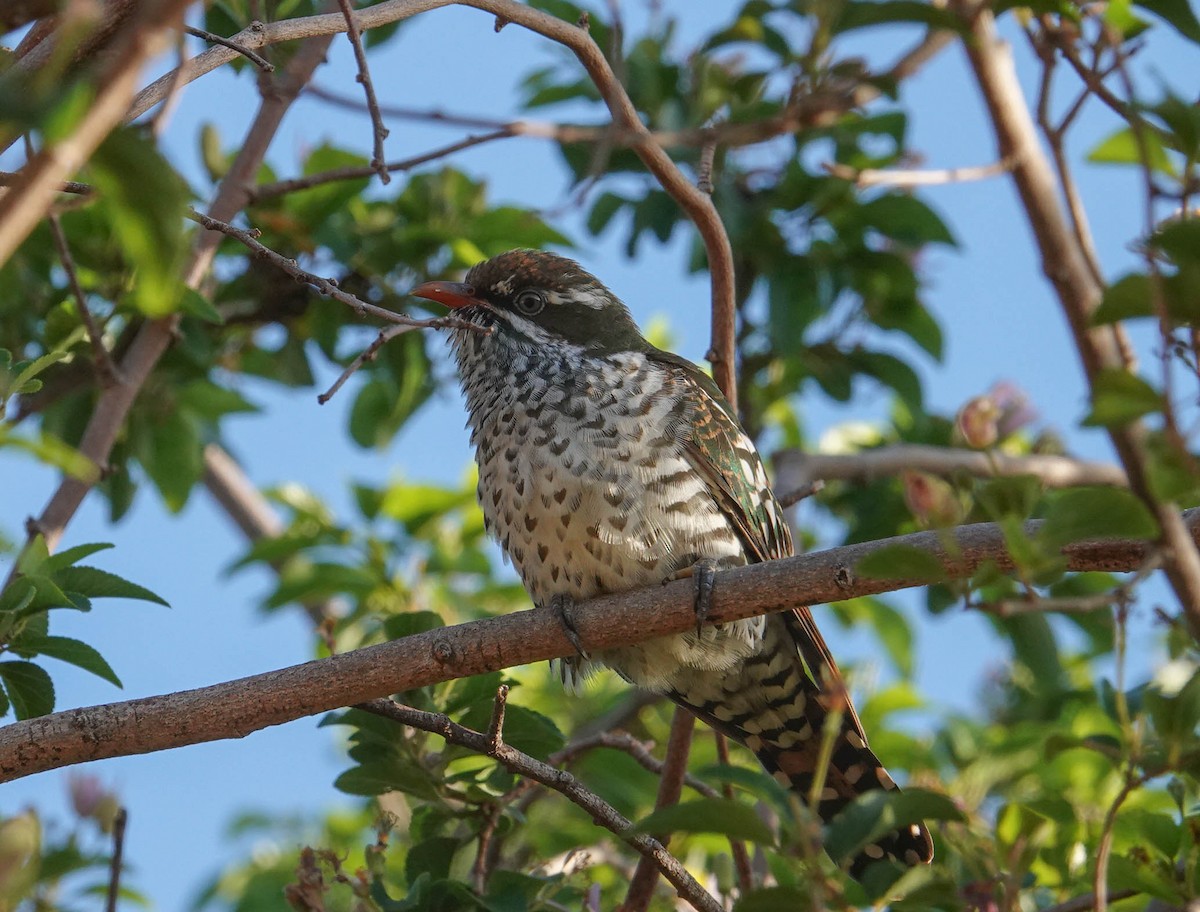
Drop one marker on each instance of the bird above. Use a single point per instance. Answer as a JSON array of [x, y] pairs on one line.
[[607, 464]]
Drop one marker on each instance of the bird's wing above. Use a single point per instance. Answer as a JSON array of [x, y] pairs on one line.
[[722, 453]]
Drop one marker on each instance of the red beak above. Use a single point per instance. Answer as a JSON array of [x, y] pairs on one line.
[[452, 294]]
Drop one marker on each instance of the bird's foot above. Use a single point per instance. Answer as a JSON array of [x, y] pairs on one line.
[[704, 575], [563, 607]]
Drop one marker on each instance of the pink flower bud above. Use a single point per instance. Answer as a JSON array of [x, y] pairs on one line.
[[931, 500], [978, 422]]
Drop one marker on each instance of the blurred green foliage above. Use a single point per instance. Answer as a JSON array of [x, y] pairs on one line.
[[1063, 754]]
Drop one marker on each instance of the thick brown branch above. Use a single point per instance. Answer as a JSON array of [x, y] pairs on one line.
[[236, 708], [563, 782]]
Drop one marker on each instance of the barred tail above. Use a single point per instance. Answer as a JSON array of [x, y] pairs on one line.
[[772, 705]]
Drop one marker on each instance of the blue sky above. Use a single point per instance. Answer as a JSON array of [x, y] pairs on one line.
[[1000, 318]]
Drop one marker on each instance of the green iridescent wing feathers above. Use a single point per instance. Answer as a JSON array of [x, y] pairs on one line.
[[722, 453]]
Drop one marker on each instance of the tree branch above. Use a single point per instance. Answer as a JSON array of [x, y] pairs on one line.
[[563, 782], [1078, 292], [235, 708], [379, 131], [795, 470]]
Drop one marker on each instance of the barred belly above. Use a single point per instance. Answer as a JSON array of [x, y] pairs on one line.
[[596, 496]]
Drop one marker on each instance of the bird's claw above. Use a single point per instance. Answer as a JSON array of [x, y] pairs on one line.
[[563, 606], [704, 573]]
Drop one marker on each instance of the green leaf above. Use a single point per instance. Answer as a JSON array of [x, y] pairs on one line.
[[603, 210], [95, 583], [1089, 513], [1119, 397], [30, 690], [708, 815], [69, 650], [1179, 13], [1121, 148], [901, 562], [1126, 298], [524, 729], [197, 305], [143, 200], [432, 857], [875, 813], [69, 556], [906, 219], [776, 899], [857, 14], [171, 456]]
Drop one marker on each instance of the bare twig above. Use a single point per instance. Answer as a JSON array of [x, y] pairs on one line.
[[564, 783], [670, 787], [236, 708], [105, 369], [871, 177], [1100, 876], [380, 132], [257, 59], [1120, 596], [1077, 290], [495, 733], [796, 470], [368, 355], [278, 188], [13, 178], [794, 496], [327, 287], [116, 863], [623, 741]]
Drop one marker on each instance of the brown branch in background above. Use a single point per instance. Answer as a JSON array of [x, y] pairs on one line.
[[25, 203], [235, 708], [115, 865], [1100, 876], [257, 59], [871, 177], [564, 783], [741, 858], [380, 132], [795, 470], [670, 787], [106, 371], [327, 287], [1077, 290], [805, 491], [244, 504], [278, 188], [13, 178]]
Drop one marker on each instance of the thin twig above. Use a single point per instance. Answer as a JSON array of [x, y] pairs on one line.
[[1121, 596], [106, 370], [368, 354], [1087, 903], [562, 782], [872, 177], [327, 287], [670, 787], [14, 178], [115, 864], [813, 488], [1100, 876], [364, 78], [255, 58], [496, 724], [278, 188]]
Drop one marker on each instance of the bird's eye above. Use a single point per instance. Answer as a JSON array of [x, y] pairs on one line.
[[529, 302]]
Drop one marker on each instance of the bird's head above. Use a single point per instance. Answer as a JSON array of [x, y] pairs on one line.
[[537, 298]]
